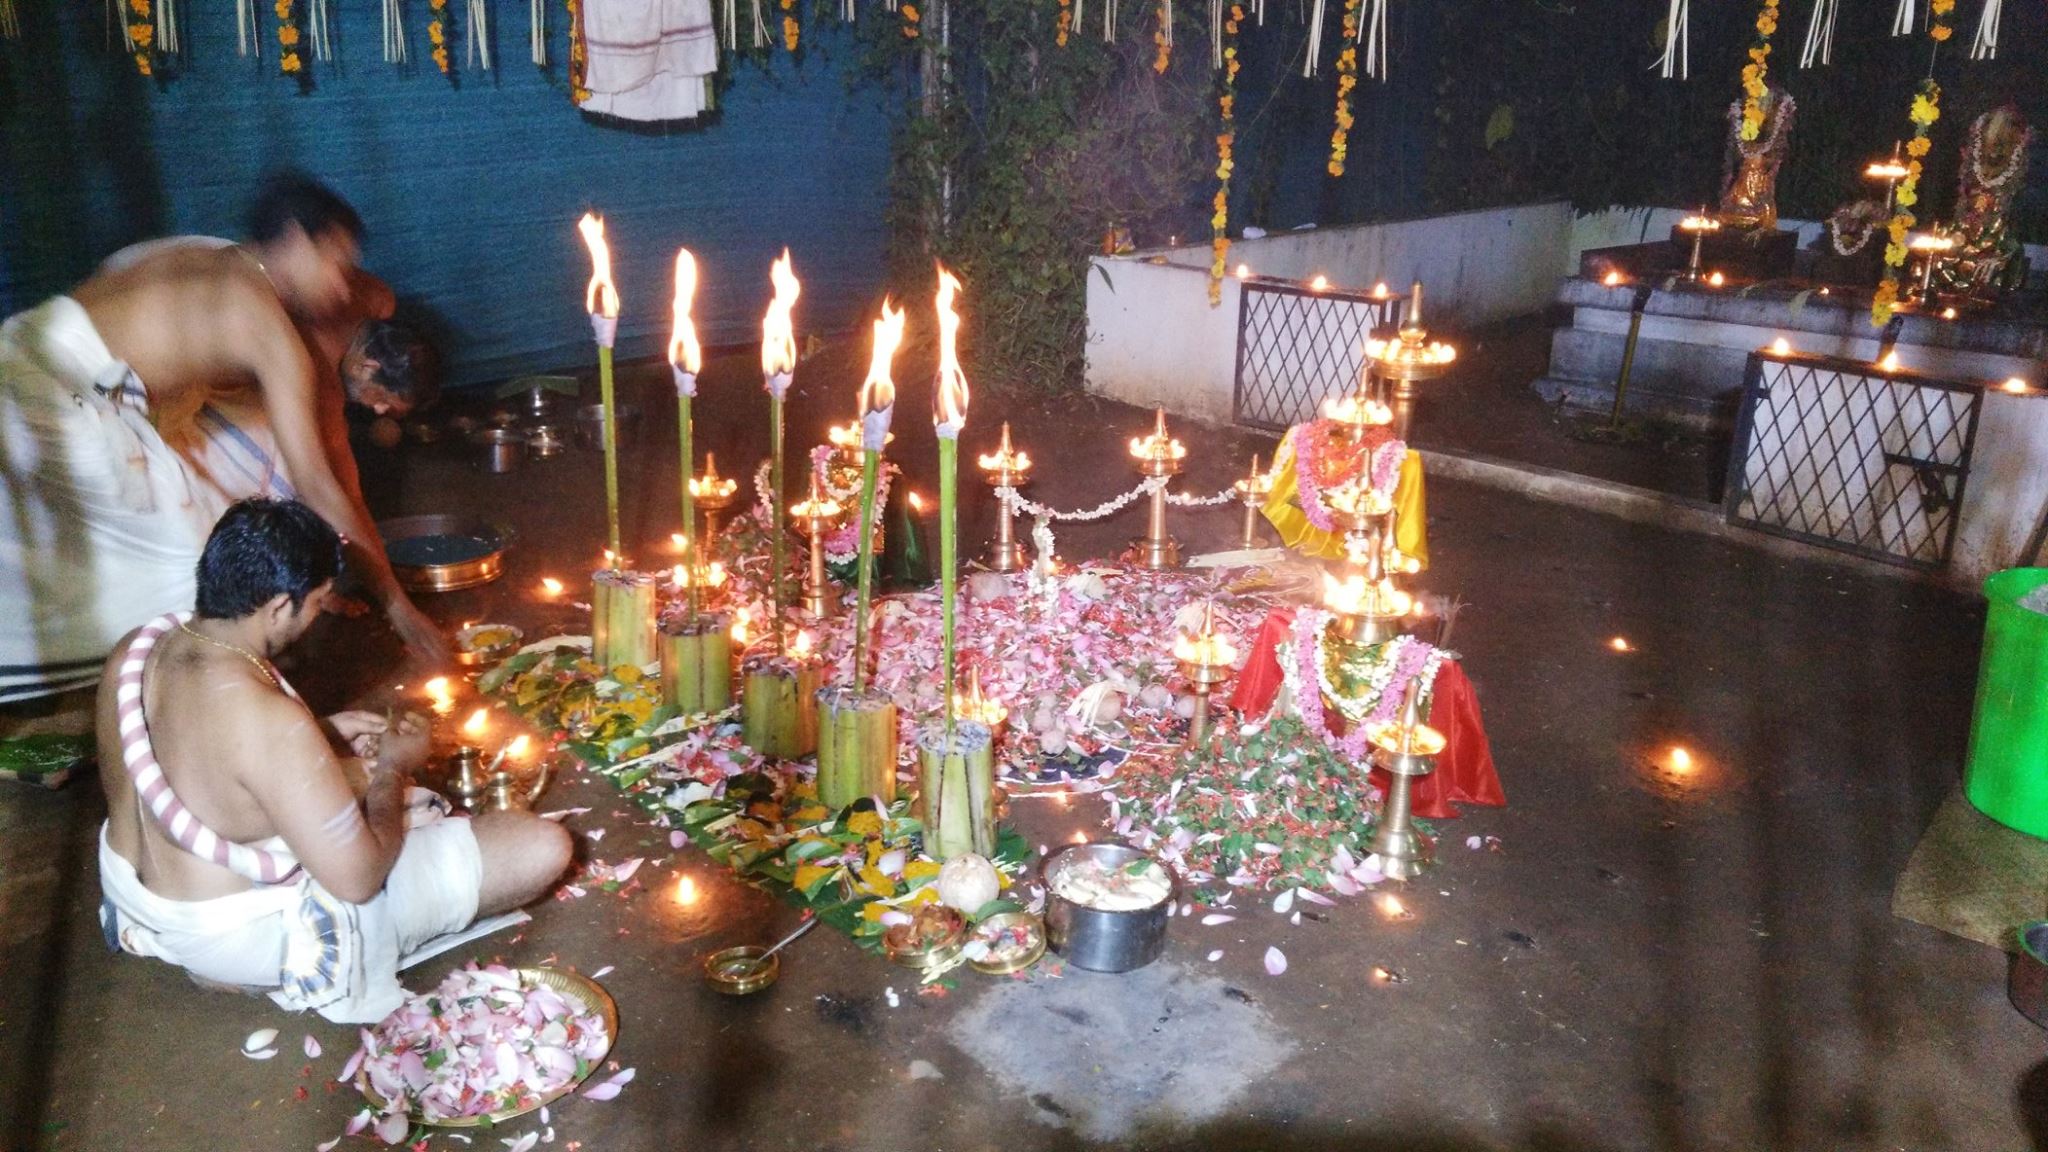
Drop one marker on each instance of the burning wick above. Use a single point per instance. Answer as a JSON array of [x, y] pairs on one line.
[[1244, 271], [1620, 644], [1948, 313], [1392, 908], [802, 648], [1890, 363], [1681, 760], [437, 691], [1379, 290], [916, 503], [478, 723], [1320, 283], [1715, 280], [518, 748], [550, 587], [679, 542], [739, 628], [1080, 837], [1781, 347], [2015, 385], [686, 890], [1613, 280]]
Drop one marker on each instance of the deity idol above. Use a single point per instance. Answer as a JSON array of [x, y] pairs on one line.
[[1988, 260], [1749, 191]]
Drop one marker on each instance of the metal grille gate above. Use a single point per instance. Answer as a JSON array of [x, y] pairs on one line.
[[1843, 454], [1297, 347]]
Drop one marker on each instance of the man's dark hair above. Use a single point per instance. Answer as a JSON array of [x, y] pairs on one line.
[[262, 549], [405, 362], [291, 197]]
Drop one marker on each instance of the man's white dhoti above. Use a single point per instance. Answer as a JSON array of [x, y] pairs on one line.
[[108, 503], [265, 937]]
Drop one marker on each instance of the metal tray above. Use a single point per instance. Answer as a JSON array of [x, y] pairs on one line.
[[569, 984], [454, 575]]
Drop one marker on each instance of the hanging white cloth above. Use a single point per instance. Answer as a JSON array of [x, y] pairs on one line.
[[167, 26], [1820, 34], [1315, 38], [1985, 46], [248, 33], [479, 34], [537, 32], [321, 29], [648, 59], [1902, 20], [1374, 29], [1677, 58]]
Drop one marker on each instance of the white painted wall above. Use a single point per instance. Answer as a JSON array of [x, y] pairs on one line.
[[2008, 486], [1154, 339]]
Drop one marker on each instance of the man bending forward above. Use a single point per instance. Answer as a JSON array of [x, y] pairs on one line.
[[256, 845]]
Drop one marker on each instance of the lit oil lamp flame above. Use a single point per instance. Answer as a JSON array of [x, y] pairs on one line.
[[739, 627], [711, 484], [601, 298], [978, 707], [1613, 280], [1320, 284], [878, 391], [1255, 483], [678, 542], [1244, 271], [1929, 242], [1887, 170], [686, 891], [1005, 458], [1890, 363], [519, 747], [1392, 908], [1681, 760], [949, 398], [1948, 313], [1715, 279], [1620, 644], [683, 350], [477, 725], [438, 694], [802, 647], [916, 503], [1207, 648], [778, 327], [1356, 596], [1352, 410], [2015, 385], [550, 587], [1699, 223], [1159, 445], [1379, 290], [1781, 347]]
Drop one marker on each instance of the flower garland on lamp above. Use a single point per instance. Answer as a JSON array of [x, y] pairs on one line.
[[1755, 72], [1926, 110], [142, 35], [437, 35], [791, 30], [1219, 244], [579, 54], [1164, 37], [1347, 79]]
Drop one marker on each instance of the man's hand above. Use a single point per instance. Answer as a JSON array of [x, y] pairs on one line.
[[402, 747], [421, 636], [358, 729]]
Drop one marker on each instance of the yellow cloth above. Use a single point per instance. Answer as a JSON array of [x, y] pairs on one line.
[[1283, 509]]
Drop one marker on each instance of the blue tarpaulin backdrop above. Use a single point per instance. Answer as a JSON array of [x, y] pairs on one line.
[[471, 193]]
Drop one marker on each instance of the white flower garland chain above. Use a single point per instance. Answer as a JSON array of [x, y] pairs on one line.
[[1021, 506], [1974, 155], [1183, 500]]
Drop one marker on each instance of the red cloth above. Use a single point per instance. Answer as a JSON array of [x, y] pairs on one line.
[[1464, 773]]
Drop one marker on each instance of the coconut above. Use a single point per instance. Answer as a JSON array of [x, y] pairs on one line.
[[967, 882]]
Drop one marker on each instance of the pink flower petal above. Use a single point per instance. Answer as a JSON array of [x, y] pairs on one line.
[[604, 1091], [265, 1054], [678, 839], [1216, 955], [1215, 918], [312, 1047], [626, 868], [1283, 902], [1315, 897], [327, 1146], [601, 973], [1276, 961], [358, 1122], [392, 1127], [524, 1143]]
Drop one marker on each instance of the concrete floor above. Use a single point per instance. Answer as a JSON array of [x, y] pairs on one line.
[[1650, 962]]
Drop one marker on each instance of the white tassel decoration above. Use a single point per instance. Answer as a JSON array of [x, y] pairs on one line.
[[117, 17], [1375, 31], [1677, 58], [10, 21], [247, 41], [1902, 20], [394, 32], [1166, 21], [479, 34], [1315, 38], [1259, 10], [1820, 34], [760, 29], [1216, 35], [321, 28], [167, 27], [537, 33], [1985, 46], [1109, 21]]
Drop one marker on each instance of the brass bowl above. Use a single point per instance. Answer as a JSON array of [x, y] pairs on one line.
[[734, 971], [470, 655], [572, 986], [450, 575], [1034, 949], [925, 957]]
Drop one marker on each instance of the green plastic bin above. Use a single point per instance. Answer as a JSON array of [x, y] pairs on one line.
[[2006, 774]]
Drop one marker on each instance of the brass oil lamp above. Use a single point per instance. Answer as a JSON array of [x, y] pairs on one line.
[[1157, 456], [1252, 492], [713, 494], [815, 518], [1405, 749], [1206, 660], [1410, 357], [1005, 468]]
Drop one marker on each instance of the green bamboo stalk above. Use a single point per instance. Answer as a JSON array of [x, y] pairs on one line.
[[696, 664], [856, 747], [869, 464], [611, 452], [622, 618], [956, 778], [779, 710]]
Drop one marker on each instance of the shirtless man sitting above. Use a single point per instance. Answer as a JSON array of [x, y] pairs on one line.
[[257, 846], [115, 451]]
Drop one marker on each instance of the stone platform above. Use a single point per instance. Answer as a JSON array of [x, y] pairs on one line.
[[1696, 340]]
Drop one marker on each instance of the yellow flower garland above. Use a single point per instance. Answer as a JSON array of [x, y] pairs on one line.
[[1347, 79], [1165, 56], [1219, 223], [1754, 72], [437, 33], [288, 61], [579, 54], [790, 28], [1925, 111], [142, 32], [910, 19], [1066, 22]]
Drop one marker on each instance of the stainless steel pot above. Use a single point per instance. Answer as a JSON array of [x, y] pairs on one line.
[[1099, 940], [590, 425], [503, 448]]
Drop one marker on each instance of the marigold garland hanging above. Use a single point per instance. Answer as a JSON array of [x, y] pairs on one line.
[[1226, 136], [1066, 22], [142, 35], [1755, 72], [791, 30], [579, 54], [1925, 111], [437, 35], [910, 21], [1347, 79], [288, 61], [1163, 37]]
